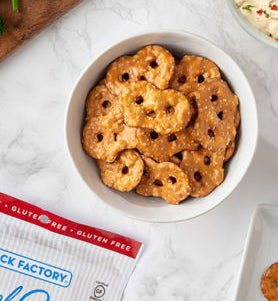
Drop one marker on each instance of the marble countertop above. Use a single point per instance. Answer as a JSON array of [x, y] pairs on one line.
[[194, 260]]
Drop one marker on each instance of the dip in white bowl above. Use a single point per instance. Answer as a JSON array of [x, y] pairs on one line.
[[261, 13]]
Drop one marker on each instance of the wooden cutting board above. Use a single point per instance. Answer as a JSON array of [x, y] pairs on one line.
[[33, 16]]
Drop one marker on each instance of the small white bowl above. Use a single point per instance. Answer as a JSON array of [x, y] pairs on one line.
[[149, 208], [249, 27]]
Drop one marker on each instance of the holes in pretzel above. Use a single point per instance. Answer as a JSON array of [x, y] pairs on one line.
[[125, 77], [170, 110], [220, 115], [106, 104], [99, 137], [207, 160], [200, 79], [142, 77], [178, 155], [153, 135], [153, 64], [211, 133], [151, 114], [172, 180], [139, 100], [182, 79], [197, 176], [213, 97], [158, 183], [172, 137], [115, 137], [125, 170]]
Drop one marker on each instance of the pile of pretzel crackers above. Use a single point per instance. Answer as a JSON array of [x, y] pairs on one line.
[[161, 126]]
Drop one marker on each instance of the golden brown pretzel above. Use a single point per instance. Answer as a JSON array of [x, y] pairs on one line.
[[105, 136], [191, 72], [164, 111], [204, 170], [152, 63], [161, 147], [100, 101], [158, 64], [269, 283], [214, 126], [124, 173], [165, 180]]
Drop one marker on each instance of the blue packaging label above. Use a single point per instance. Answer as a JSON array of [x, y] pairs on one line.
[[34, 268]]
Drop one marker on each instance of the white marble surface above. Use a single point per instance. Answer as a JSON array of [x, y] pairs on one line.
[[193, 260]]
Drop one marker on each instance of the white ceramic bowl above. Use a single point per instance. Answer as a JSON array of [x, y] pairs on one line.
[[249, 27], [155, 209]]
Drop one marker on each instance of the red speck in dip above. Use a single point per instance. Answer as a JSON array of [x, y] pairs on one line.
[[273, 6], [260, 12]]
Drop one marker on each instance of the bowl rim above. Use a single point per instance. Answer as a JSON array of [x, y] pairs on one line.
[[126, 39], [251, 29]]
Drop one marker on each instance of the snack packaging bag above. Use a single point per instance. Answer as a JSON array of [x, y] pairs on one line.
[[46, 257]]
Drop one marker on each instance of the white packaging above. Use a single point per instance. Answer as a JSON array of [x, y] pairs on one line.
[[46, 257]]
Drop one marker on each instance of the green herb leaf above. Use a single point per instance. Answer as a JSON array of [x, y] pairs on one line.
[[248, 7], [266, 14], [2, 26], [15, 5]]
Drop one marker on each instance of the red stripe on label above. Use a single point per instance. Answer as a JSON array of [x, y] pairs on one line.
[[57, 224]]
